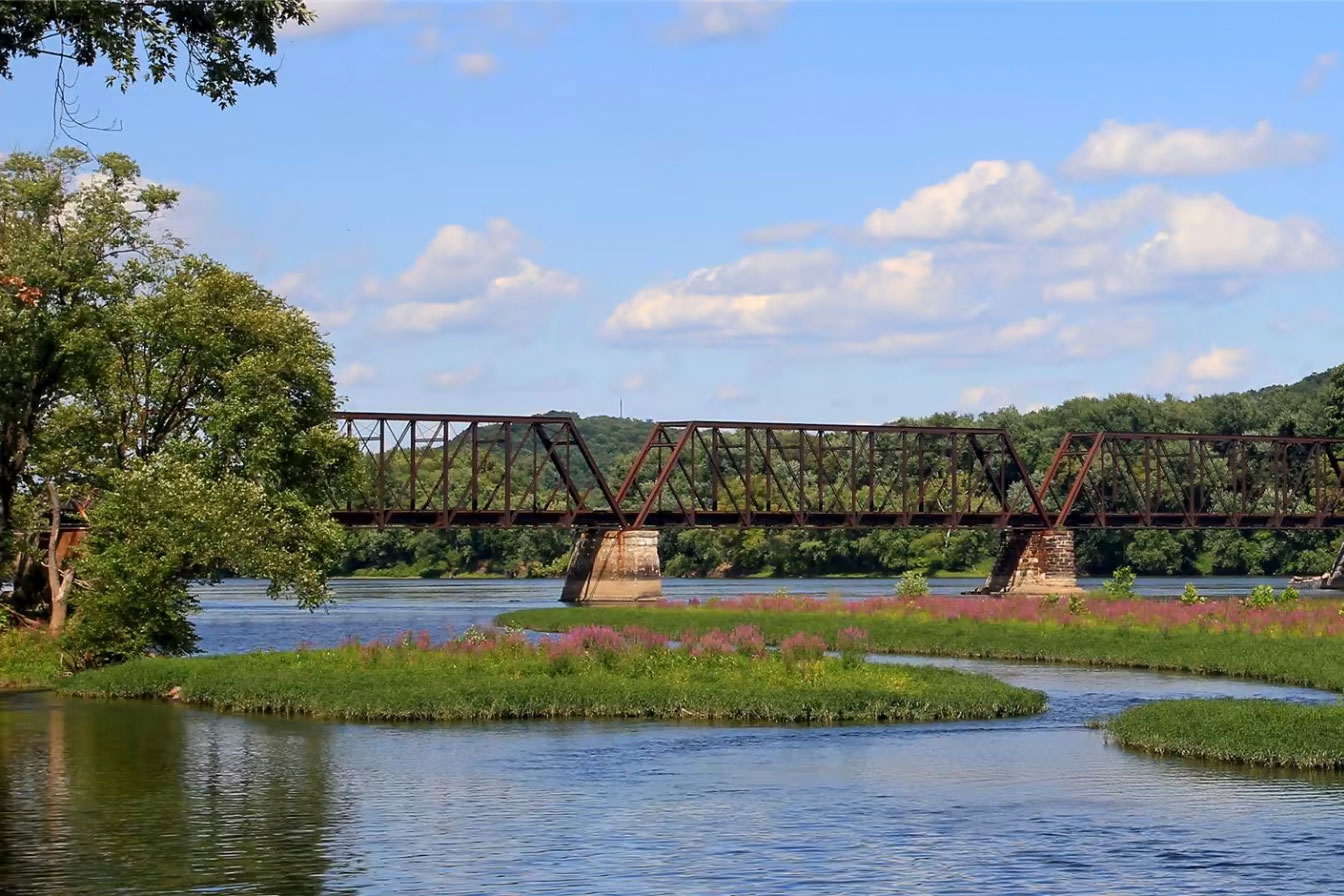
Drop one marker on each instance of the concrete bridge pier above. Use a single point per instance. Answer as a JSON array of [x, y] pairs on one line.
[[1039, 561], [614, 567], [1329, 581]]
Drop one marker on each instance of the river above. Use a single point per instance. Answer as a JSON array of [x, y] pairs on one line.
[[148, 798]]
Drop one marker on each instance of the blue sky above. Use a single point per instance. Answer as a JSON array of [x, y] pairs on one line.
[[806, 211]]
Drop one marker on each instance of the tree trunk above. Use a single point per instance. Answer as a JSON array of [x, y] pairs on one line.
[[58, 580]]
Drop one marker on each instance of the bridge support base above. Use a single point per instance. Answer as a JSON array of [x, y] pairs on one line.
[[1330, 581], [1034, 562], [614, 567]]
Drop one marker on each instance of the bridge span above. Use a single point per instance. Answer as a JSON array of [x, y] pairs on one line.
[[438, 471]]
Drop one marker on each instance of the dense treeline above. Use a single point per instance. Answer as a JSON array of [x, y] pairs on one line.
[[1313, 406]]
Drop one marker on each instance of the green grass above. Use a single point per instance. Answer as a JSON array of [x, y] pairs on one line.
[[406, 683], [1262, 732], [28, 659], [1289, 659], [1258, 732]]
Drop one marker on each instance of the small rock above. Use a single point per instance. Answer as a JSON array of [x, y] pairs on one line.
[[175, 693]]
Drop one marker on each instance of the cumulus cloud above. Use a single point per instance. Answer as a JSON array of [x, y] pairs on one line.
[[1002, 201], [982, 398], [468, 277], [1321, 67], [788, 232], [476, 65], [452, 380], [356, 373], [336, 16], [990, 258], [774, 293], [1154, 149], [703, 20], [1219, 364]]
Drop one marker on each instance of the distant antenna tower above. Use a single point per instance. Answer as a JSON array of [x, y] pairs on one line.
[[621, 412]]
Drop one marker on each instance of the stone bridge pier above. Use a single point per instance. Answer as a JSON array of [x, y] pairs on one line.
[[1037, 561], [614, 567], [1333, 580]]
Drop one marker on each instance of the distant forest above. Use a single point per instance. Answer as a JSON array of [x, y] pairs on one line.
[[1313, 406]]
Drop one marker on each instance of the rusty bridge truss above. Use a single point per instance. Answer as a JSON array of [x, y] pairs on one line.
[[434, 470], [428, 470], [1184, 481], [764, 474]]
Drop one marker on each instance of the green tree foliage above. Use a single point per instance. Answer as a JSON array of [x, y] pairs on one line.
[[212, 43], [189, 403]]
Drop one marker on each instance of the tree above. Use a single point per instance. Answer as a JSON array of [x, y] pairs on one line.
[[72, 243], [191, 403], [216, 39]]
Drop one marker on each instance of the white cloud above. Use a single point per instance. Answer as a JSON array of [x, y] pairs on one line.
[[298, 288], [1003, 244], [468, 277], [330, 317], [788, 232], [1321, 67], [1026, 330], [982, 398], [356, 373], [775, 293], [1100, 337], [336, 16], [635, 382], [476, 65], [1219, 364], [730, 393], [1154, 149], [703, 20], [451, 380], [1002, 201]]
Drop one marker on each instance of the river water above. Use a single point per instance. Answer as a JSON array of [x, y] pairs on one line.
[[146, 798]]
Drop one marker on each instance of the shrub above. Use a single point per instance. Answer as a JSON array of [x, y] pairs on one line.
[[1289, 595], [1120, 584], [1191, 596], [1077, 604], [1050, 600], [912, 584], [1261, 596]]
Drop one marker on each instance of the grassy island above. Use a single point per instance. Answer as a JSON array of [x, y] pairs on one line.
[[1299, 644], [1257, 732], [591, 672]]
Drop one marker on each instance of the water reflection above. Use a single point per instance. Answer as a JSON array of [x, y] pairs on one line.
[[147, 798]]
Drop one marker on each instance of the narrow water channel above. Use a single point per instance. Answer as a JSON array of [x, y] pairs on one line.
[[99, 798]]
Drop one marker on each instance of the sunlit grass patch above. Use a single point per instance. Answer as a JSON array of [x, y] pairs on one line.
[[590, 672], [1295, 645], [1259, 732]]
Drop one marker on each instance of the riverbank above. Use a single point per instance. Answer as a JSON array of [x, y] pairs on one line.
[[593, 672], [29, 658]]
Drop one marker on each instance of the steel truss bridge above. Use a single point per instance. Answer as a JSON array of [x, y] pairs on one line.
[[437, 471]]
